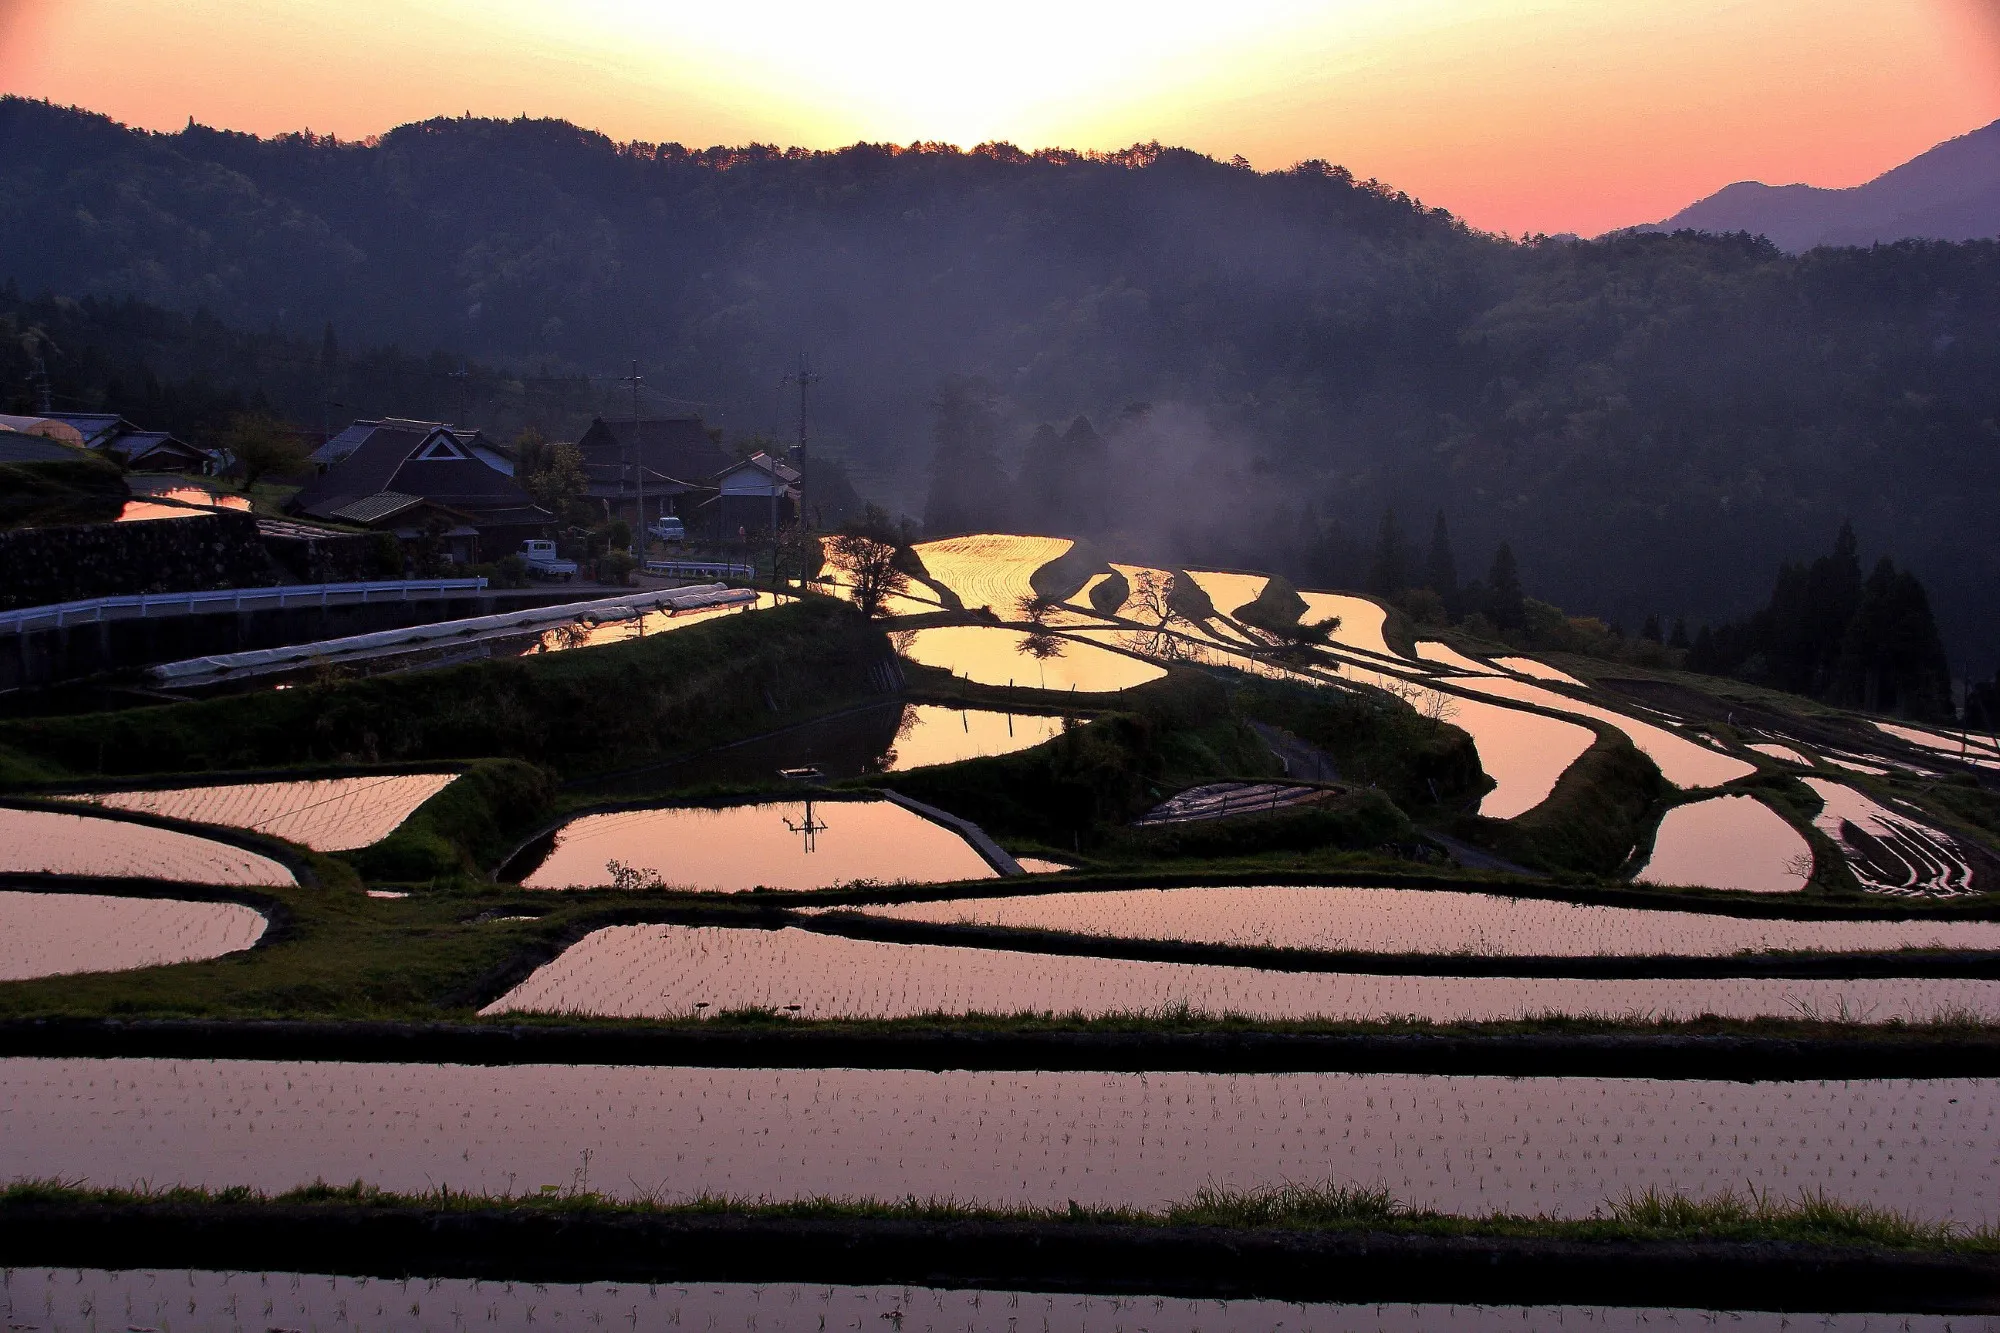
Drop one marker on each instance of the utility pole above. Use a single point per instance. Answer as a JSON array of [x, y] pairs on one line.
[[805, 379], [638, 465]]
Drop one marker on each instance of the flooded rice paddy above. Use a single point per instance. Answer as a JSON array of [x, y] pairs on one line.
[[1361, 620], [48, 842], [1729, 842], [989, 655], [145, 511], [1225, 800], [933, 734], [1229, 593], [1782, 753], [181, 491], [595, 633], [1443, 654], [1888, 852], [1528, 666], [1968, 745], [774, 844], [1524, 753], [1369, 920], [662, 971], [1681, 761], [325, 814], [1469, 1144], [66, 1299], [54, 934], [992, 569]]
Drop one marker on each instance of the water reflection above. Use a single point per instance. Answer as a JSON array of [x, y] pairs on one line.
[[990, 569], [665, 971], [1680, 760], [1469, 1144], [52, 843], [1729, 842], [54, 934], [325, 814], [990, 655], [767, 844], [63, 1299]]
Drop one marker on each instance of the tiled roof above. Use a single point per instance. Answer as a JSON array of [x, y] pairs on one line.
[[375, 508]]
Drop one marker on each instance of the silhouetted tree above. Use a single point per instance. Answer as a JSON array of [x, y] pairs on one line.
[[1440, 566], [1504, 598], [1891, 658], [968, 492], [1389, 573]]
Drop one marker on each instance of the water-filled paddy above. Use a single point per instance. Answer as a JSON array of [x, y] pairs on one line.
[[1962, 744], [1681, 761], [1563, 1146], [1528, 666], [53, 843], [325, 814], [666, 971], [1524, 753], [773, 844], [1361, 620], [1367, 920], [992, 569], [586, 634], [1443, 654], [60, 1300], [1229, 593], [1729, 842], [142, 511], [1783, 753], [1889, 852], [989, 655], [54, 934], [933, 734]]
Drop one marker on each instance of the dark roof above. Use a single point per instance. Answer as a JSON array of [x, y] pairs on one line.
[[99, 429], [375, 508], [357, 433], [676, 448], [768, 465], [141, 444], [424, 461], [18, 448]]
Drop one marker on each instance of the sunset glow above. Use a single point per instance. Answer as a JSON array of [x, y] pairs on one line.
[[1517, 114]]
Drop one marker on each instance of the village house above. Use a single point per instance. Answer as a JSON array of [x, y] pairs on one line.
[[759, 494], [109, 433], [424, 482], [473, 440], [679, 456]]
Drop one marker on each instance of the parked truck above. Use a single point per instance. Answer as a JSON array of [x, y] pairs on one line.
[[544, 563]]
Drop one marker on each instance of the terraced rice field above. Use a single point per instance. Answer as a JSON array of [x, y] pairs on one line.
[[1563, 1146], [1729, 842], [143, 511], [1681, 761], [990, 655], [991, 570], [1229, 592], [666, 971], [1524, 753], [48, 842], [767, 844], [1361, 620], [1784, 754], [61, 1300], [1221, 800], [1889, 852], [932, 734], [837, 579], [1969, 745], [1528, 666], [562, 638], [325, 814], [54, 934], [1368, 920], [1444, 655]]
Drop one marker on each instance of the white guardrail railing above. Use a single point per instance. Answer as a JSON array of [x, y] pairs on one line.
[[139, 606]]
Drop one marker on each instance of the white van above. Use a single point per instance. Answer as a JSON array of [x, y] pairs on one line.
[[667, 528]]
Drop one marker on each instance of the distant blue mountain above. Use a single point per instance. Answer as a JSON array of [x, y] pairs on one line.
[[1951, 193]]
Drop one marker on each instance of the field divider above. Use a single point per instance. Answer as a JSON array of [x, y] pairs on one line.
[[1867, 1053]]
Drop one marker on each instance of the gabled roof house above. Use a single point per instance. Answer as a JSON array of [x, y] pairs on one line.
[[399, 468], [680, 458]]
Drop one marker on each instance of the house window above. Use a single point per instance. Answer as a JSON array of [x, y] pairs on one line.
[[441, 448]]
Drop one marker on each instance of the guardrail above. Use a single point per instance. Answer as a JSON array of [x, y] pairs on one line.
[[700, 569], [140, 606]]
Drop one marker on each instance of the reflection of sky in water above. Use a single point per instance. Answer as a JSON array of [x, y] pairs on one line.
[[1371, 920], [50, 842], [1680, 760], [325, 814], [745, 846], [1465, 1143], [992, 569], [580, 635], [52, 934], [932, 734], [1729, 842], [989, 655], [157, 1298], [663, 971]]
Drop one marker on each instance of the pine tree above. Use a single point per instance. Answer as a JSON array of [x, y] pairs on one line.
[[1892, 658], [1679, 637], [1503, 590], [1390, 572], [968, 492], [1440, 567]]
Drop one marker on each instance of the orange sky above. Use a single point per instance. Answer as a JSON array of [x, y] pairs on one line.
[[1542, 115]]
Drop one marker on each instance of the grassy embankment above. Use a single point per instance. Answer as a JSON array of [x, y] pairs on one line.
[[1653, 1216]]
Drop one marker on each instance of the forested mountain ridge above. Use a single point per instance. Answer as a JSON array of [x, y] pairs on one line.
[[1267, 360], [1949, 193]]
